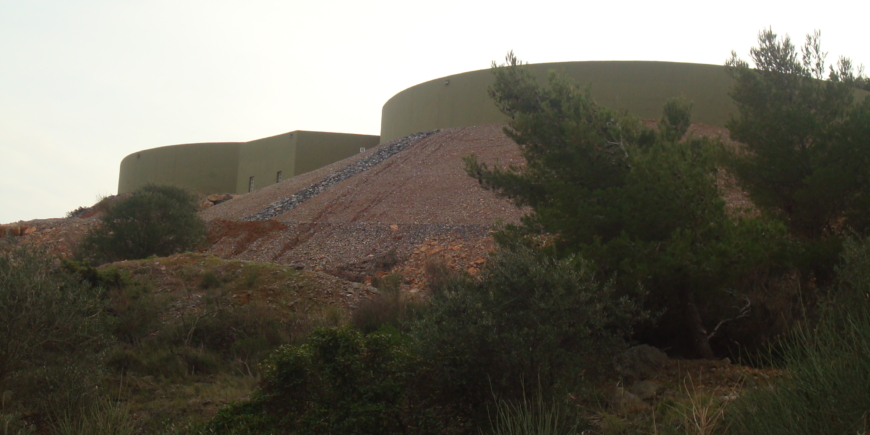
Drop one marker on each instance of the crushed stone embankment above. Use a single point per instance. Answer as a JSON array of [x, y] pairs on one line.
[[412, 202]]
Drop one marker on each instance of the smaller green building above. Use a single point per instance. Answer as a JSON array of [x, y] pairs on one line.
[[239, 167]]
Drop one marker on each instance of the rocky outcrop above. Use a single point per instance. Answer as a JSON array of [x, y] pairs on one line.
[[15, 230]]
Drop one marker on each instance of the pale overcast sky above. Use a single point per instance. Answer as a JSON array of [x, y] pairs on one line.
[[84, 83]]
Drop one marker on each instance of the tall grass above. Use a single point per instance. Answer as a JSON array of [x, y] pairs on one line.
[[533, 417], [701, 414], [827, 386], [101, 418]]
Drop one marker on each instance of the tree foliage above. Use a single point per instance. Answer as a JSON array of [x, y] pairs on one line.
[[153, 220], [643, 205], [807, 142], [529, 323], [44, 311], [51, 330], [826, 391], [341, 381]]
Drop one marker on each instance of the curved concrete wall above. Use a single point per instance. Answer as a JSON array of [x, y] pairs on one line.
[[230, 167], [461, 100], [200, 167]]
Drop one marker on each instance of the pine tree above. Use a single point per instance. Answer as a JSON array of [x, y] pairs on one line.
[[807, 143], [642, 205]]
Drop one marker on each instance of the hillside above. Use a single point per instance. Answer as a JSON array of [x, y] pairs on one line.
[[309, 252], [418, 200], [358, 214], [416, 204]]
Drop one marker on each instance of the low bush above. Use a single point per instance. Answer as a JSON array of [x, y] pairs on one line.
[[135, 312], [43, 311], [239, 333], [341, 381], [61, 384], [153, 220], [825, 391], [210, 280], [528, 317], [389, 308], [229, 339], [438, 274]]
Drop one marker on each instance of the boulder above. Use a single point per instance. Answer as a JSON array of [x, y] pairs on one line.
[[640, 362], [625, 401], [645, 390], [219, 198]]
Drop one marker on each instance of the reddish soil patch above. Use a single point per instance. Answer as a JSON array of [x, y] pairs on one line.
[[243, 234]]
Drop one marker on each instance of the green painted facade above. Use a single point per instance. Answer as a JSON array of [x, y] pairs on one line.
[[200, 167], [316, 150], [642, 88], [228, 167], [459, 100]]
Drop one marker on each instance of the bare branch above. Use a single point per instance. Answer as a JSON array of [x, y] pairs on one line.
[[744, 312]]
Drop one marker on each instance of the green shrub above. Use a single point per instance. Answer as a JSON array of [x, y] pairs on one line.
[[250, 277], [387, 308], [827, 365], [45, 313], [210, 280], [244, 333], [804, 156], [51, 330], [438, 274], [198, 361], [642, 206], [124, 360], [109, 278], [59, 385], [528, 317], [153, 220], [341, 381], [135, 312]]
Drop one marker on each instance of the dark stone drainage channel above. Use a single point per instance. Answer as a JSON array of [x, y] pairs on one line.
[[383, 153]]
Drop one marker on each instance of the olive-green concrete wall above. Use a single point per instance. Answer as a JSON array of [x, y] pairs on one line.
[[263, 158], [227, 167], [316, 149], [461, 100], [201, 167]]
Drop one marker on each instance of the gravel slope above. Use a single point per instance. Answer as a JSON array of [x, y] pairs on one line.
[[417, 195], [410, 200]]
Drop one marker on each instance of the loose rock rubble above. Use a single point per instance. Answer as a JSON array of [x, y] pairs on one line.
[[365, 164], [419, 204], [58, 236]]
